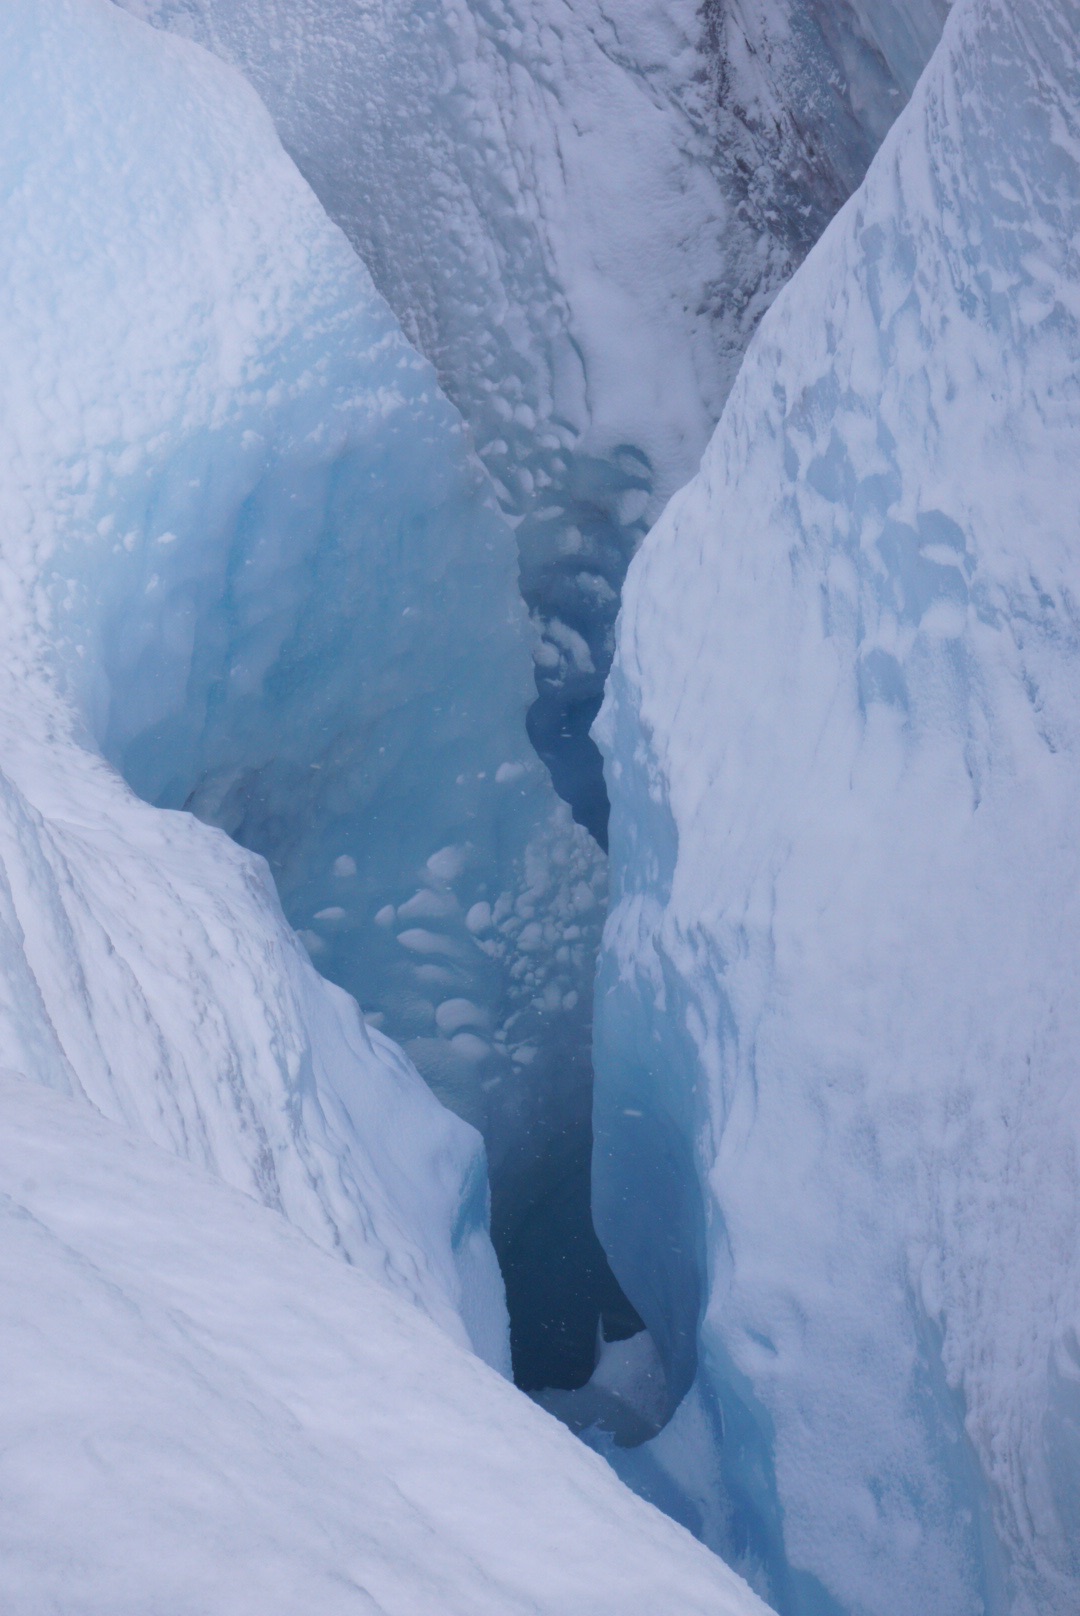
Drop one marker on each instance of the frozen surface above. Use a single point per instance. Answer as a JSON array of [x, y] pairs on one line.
[[204, 1414], [579, 213], [248, 550], [838, 1017]]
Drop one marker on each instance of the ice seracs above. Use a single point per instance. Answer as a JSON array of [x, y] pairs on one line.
[[837, 1018]]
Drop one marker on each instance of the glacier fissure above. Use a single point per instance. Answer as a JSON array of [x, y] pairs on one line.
[[579, 224], [316, 570]]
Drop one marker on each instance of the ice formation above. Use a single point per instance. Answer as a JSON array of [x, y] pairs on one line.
[[579, 218], [578, 213], [184, 335], [280, 592], [838, 1013]]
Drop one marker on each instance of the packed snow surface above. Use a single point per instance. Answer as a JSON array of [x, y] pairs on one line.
[[206, 1415], [838, 1158]]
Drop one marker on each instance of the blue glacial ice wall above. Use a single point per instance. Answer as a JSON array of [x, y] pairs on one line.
[[249, 559], [838, 1126], [283, 596], [578, 216]]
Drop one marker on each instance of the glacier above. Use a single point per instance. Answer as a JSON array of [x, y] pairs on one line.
[[837, 1016], [246, 1281]]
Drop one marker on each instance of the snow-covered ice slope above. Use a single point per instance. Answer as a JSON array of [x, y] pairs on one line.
[[838, 1025], [245, 533], [204, 1415], [579, 213]]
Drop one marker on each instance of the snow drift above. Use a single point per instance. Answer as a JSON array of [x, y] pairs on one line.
[[837, 1155]]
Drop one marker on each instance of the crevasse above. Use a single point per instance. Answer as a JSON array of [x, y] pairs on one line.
[[226, 1202], [579, 218], [299, 617]]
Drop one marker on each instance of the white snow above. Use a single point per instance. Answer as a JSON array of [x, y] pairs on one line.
[[205, 1415], [840, 980]]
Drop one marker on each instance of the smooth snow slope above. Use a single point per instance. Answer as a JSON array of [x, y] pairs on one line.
[[183, 335], [838, 1159], [204, 1415], [578, 212]]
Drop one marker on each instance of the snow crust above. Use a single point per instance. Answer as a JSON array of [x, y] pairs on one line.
[[837, 1112], [206, 1415], [579, 214]]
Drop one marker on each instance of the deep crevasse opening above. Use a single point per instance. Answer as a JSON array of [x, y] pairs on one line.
[[289, 679], [646, 189], [304, 626]]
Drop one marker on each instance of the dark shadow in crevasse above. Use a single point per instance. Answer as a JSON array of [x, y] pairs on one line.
[[558, 726], [559, 1285]]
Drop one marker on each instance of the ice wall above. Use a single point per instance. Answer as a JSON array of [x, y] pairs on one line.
[[222, 464], [579, 215], [276, 586], [837, 1017], [579, 218]]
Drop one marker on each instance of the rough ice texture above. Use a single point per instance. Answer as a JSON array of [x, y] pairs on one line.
[[579, 213], [838, 1018], [280, 593], [204, 1414], [185, 336]]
